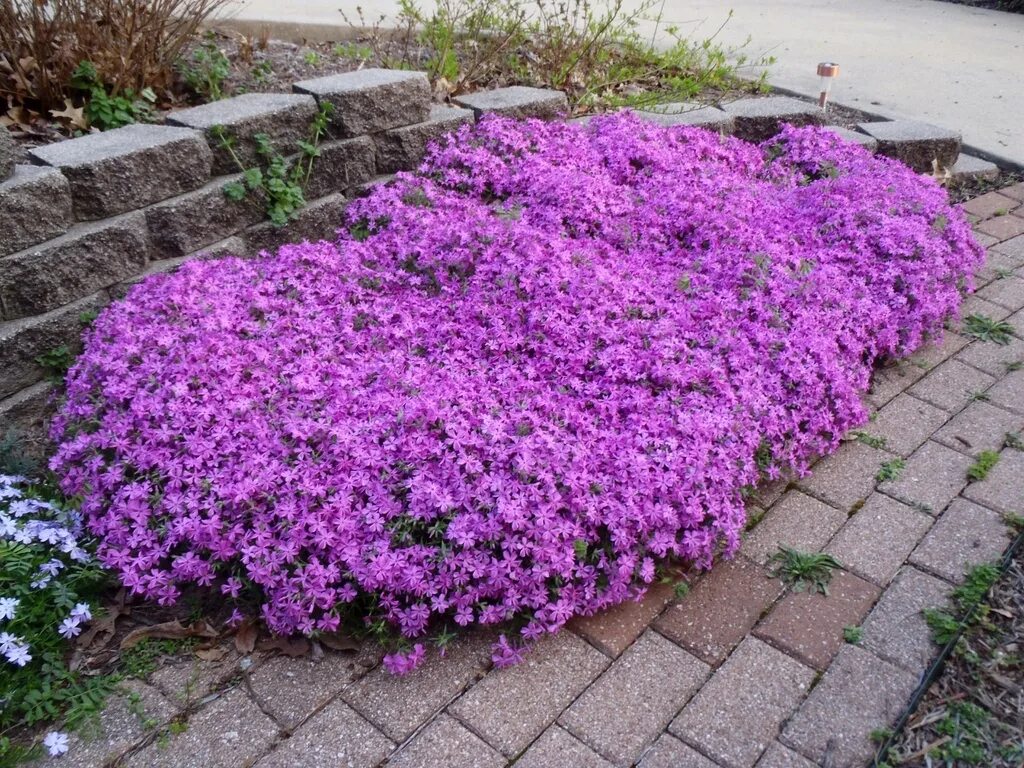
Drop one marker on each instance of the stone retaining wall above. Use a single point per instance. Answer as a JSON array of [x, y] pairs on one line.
[[92, 215]]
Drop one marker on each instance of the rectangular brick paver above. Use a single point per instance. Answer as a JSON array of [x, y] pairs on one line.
[[905, 423], [445, 742], [510, 707], [1002, 227], [896, 629], [1003, 488], [1006, 290], [798, 521], [1008, 392], [858, 694], [779, 756], [292, 689], [335, 736], [891, 380], [951, 385], [557, 748], [990, 204], [613, 630], [739, 711], [720, 610], [979, 427], [226, 733], [933, 475], [670, 752], [875, 541], [809, 625], [966, 535], [632, 702], [993, 358], [847, 477], [400, 704]]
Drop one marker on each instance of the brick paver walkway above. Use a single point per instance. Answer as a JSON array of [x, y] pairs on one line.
[[738, 673]]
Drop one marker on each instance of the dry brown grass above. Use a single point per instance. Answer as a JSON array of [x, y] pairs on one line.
[[132, 43]]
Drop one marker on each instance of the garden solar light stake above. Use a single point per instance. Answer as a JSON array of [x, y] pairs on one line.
[[827, 71]]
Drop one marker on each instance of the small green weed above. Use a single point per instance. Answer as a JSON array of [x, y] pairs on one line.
[[853, 635], [680, 590], [261, 72], [142, 659], [890, 470], [1014, 440], [868, 439], [978, 397], [206, 71], [56, 362], [987, 329], [106, 109], [312, 58], [280, 185], [983, 464], [803, 570]]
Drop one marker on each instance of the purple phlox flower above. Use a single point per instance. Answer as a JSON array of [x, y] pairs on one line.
[[8, 606]]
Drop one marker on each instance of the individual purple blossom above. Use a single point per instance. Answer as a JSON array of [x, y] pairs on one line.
[[70, 627], [521, 378]]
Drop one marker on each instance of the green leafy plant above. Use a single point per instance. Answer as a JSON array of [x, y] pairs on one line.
[[280, 184], [206, 70], [1014, 440], [106, 109], [56, 362], [988, 329], [983, 464], [868, 439], [312, 58], [890, 470], [853, 635], [803, 570], [966, 609], [261, 71]]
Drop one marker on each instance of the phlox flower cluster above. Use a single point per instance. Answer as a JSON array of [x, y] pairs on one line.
[[38, 541], [522, 377]]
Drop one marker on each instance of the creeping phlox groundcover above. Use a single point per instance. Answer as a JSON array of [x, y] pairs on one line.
[[523, 376]]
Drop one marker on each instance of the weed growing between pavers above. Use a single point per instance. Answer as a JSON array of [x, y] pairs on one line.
[[551, 359], [803, 570]]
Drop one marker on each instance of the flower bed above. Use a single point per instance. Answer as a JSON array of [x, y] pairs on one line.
[[523, 377]]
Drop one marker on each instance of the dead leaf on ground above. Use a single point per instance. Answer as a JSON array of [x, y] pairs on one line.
[[75, 116], [289, 646], [211, 654], [169, 630], [337, 641], [245, 637]]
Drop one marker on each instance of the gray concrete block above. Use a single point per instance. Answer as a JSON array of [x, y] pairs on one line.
[[868, 142], [371, 100], [342, 165], [686, 113], [402, 149], [319, 220], [231, 246], [516, 101], [916, 144], [8, 153], [970, 168], [760, 119], [186, 223], [24, 418], [88, 258], [127, 168], [285, 118], [23, 341], [36, 205]]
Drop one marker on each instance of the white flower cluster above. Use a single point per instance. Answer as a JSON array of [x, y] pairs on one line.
[[29, 521]]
